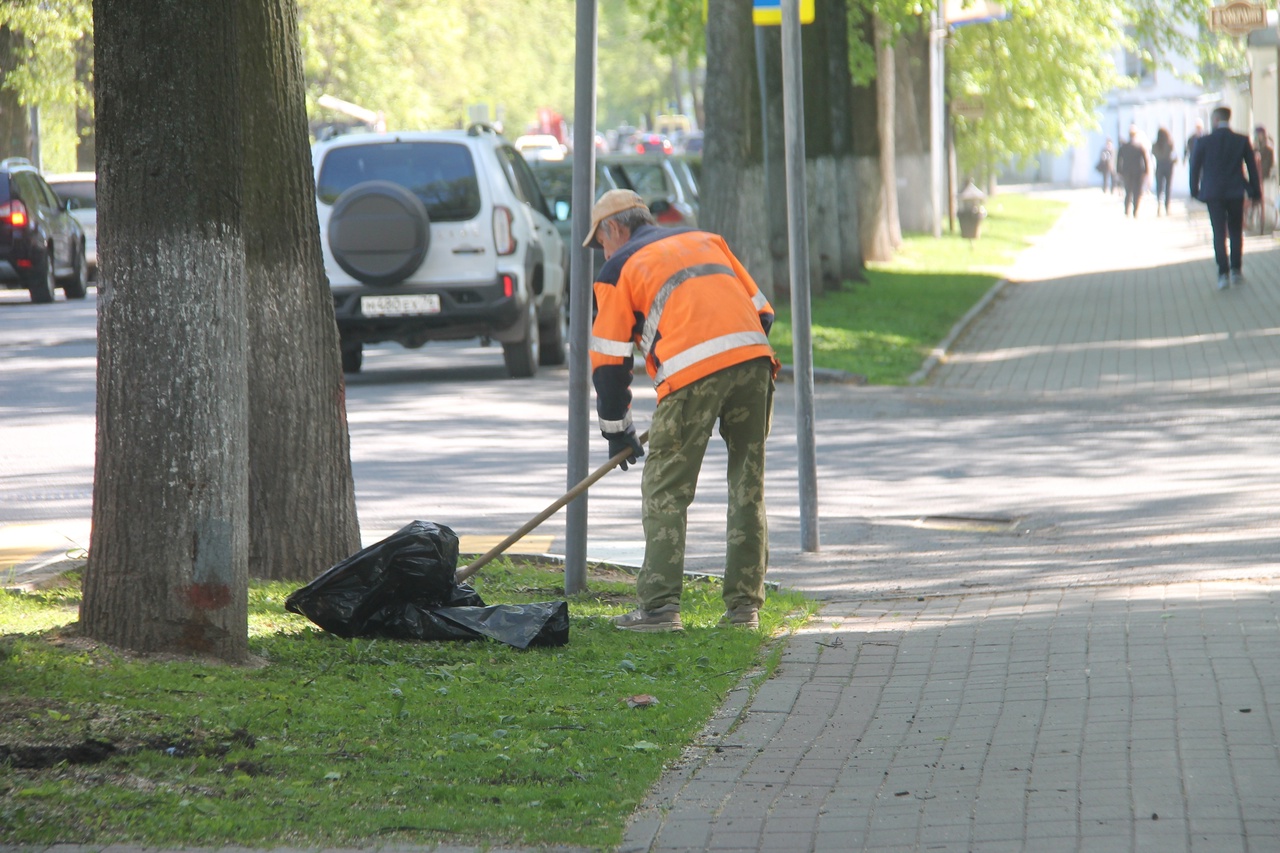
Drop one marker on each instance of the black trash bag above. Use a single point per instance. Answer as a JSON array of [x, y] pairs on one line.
[[403, 588], [542, 623], [414, 565]]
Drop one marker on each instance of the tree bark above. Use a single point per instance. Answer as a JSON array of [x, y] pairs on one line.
[[849, 264], [733, 200], [885, 93], [302, 511], [15, 124], [86, 144], [773, 154], [822, 193], [167, 568], [912, 140], [872, 205]]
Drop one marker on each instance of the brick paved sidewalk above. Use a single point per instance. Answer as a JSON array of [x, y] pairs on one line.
[[1107, 719]]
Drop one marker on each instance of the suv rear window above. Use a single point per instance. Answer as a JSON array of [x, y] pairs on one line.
[[441, 174]]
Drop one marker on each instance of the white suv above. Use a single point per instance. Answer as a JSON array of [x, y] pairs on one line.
[[440, 235]]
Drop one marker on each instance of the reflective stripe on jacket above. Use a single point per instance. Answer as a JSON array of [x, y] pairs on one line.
[[686, 302]]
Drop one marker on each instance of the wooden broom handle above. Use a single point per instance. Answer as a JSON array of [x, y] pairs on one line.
[[586, 483]]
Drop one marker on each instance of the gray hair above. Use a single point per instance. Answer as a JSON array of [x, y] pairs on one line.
[[632, 218]]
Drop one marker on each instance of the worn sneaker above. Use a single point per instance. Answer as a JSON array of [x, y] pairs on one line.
[[1223, 282], [665, 618], [1237, 278], [741, 617]]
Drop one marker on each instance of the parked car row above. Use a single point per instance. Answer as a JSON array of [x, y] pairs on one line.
[[42, 245]]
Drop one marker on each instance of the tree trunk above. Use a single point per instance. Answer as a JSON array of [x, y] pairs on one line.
[[85, 143], [912, 141], [872, 205], [885, 86], [822, 192], [15, 124], [769, 72], [167, 567], [849, 265], [733, 201], [302, 511]]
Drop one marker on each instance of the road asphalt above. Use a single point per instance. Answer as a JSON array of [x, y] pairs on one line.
[[1050, 615]]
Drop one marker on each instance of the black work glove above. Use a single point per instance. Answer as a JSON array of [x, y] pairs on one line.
[[625, 440]]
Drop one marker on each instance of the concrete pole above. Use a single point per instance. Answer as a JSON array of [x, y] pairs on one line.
[[580, 275], [798, 235]]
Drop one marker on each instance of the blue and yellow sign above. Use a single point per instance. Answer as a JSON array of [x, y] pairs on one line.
[[768, 13]]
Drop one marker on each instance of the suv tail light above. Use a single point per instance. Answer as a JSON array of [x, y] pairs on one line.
[[504, 240], [15, 213]]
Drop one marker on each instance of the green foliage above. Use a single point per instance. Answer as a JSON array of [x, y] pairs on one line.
[[674, 26], [1040, 77], [355, 742], [885, 328], [52, 31], [423, 63]]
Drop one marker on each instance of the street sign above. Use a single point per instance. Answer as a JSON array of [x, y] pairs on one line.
[[768, 13], [1238, 18]]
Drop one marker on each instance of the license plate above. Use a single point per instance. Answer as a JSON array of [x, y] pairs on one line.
[[398, 306]]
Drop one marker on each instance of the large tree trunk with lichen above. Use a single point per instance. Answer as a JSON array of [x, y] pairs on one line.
[[168, 557], [302, 516]]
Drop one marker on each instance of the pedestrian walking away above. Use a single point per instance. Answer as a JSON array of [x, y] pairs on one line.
[[1162, 151], [1133, 167], [1192, 140], [1266, 154], [1107, 166], [1218, 167], [702, 327]]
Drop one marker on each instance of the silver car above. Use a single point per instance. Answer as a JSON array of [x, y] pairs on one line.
[[78, 191]]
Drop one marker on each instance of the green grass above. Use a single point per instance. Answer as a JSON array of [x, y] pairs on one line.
[[350, 742], [884, 328]]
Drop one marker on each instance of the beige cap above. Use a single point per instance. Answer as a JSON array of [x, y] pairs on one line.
[[614, 201]]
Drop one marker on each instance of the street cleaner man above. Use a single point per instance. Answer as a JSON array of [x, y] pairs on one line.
[[702, 326]]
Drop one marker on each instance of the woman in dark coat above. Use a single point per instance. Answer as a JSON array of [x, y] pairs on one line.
[[1162, 151]]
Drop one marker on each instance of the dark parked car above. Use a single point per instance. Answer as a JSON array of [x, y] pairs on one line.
[[555, 178], [42, 246], [660, 179]]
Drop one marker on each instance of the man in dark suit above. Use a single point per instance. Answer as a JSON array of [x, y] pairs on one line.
[[1219, 163], [1133, 166]]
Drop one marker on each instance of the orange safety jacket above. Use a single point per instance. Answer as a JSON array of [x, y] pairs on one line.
[[688, 304]]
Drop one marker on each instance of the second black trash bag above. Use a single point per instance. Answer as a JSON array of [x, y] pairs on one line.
[[404, 588]]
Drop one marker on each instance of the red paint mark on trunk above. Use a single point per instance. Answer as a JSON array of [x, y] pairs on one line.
[[208, 596]]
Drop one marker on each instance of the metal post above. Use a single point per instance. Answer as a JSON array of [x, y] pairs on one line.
[[584, 173], [798, 234]]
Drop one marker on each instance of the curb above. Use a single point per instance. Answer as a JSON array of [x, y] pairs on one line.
[[939, 353]]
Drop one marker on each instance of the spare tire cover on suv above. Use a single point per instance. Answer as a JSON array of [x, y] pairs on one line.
[[379, 232]]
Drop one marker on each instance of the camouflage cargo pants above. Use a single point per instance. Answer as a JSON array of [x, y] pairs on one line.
[[741, 399]]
